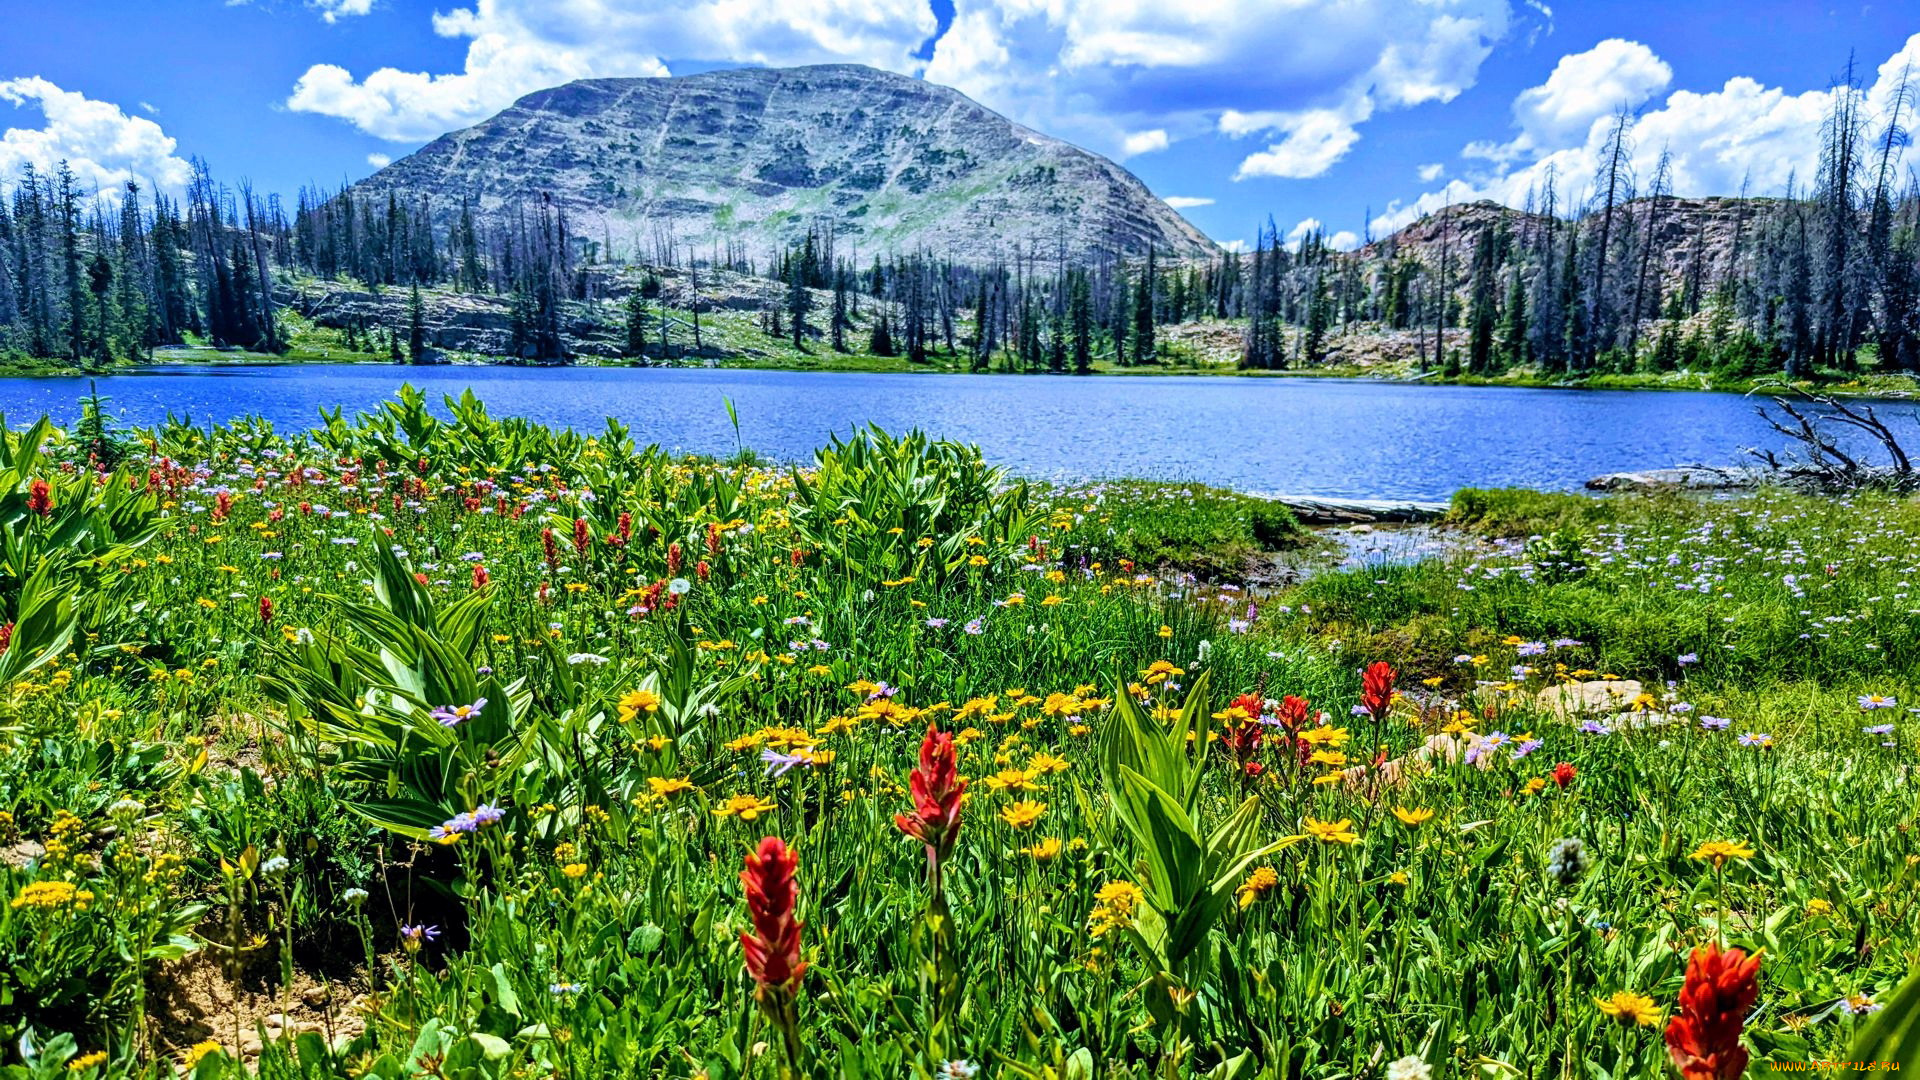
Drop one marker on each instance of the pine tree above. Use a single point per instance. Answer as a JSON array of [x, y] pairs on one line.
[[100, 282], [636, 344], [1145, 349], [1080, 320], [416, 328]]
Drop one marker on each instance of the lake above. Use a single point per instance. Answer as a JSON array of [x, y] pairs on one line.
[[1310, 436]]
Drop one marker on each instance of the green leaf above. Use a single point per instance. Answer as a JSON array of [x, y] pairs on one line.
[[503, 992], [493, 1046]]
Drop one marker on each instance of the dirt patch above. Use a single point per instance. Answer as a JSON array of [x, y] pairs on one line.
[[195, 999], [1358, 547]]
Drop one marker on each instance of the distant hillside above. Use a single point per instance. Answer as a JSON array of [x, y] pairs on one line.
[[755, 158], [1687, 233]]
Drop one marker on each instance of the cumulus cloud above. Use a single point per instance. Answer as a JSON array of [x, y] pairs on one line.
[[379, 161], [1186, 202], [103, 146], [1314, 141], [1584, 87], [515, 47], [1430, 173], [334, 10], [1309, 72], [1743, 135], [1144, 142]]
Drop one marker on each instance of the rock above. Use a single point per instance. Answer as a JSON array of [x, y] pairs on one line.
[[1687, 477], [1570, 701], [19, 855]]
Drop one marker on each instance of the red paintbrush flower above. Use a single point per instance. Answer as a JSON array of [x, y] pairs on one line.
[[1376, 689], [582, 535], [773, 948], [480, 576], [1292, 712], [266, 611], [1704, 1035], [1242, 734], [549, 550], [1564, 773], [40, 498], [938, 794]]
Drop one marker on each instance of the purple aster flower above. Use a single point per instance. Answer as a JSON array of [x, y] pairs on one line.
[[1595, 727], [412, 935], [454, 715], [1525, 748], [1878, 729], [778, 763], [936, 624], [1689, 659], [485, 814], [1530, 648], [1715, 723], [975, 627], [1875, 701]]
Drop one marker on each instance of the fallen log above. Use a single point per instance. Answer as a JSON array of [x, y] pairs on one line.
[[1314, 510]]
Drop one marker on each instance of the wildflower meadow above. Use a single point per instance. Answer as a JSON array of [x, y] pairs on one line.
[[428, 743]]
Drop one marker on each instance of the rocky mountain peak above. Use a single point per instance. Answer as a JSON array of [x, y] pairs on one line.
[[756, 158]]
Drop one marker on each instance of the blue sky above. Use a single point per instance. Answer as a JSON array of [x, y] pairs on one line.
[[1305, 110]]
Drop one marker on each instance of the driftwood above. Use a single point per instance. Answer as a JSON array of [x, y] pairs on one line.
[[1814, 424]]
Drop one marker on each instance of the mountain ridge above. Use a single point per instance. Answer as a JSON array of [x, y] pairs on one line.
[[758, 157]]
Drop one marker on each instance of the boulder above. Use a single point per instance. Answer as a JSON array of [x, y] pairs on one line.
[[1574, 700]]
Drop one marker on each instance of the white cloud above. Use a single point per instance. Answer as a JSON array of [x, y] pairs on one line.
[[1314, 141], [103, 146], [379, 161], [1310, 71], [1344, 240], [519, 46], [1430, 173], [1144, 142], [335, 10], [1742, 134], [1186, 202], [1584, 88]]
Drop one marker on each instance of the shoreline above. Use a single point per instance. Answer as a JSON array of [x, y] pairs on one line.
[[1675, 382]]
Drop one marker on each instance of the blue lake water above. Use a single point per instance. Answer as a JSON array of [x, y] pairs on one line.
[[1335, 438]]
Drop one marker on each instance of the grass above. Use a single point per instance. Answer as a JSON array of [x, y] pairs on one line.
[[443, 744]]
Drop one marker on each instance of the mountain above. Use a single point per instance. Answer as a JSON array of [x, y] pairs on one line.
[[757, 157]]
